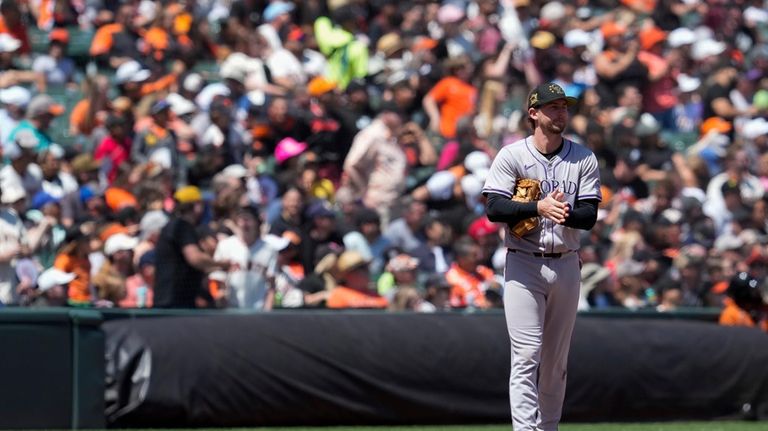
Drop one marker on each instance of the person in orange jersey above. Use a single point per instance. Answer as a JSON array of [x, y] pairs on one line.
[[744, 305], [73, 258], [356, 289], [467, 278], [452, 98]]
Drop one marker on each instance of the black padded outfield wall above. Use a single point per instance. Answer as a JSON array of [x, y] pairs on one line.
[[52, 368], [363, 368]]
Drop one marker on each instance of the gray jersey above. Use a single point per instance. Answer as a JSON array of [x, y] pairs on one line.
[[573, 170]]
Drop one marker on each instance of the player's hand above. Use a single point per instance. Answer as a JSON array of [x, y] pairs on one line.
[[552, 207]]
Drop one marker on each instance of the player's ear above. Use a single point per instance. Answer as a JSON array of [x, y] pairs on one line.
[[532, 113]]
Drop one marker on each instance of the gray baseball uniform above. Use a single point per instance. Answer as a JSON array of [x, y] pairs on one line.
[[542, 276]]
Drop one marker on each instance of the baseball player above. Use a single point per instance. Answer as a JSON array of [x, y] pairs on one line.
[[542, 276]]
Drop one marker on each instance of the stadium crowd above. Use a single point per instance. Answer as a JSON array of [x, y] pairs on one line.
[[261, 155]]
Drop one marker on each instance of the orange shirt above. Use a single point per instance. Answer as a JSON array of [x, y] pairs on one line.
[[78, 116], [161, 84], [344, 297], [733, 315], [80, 287], [157, 38], [118, 198], [102, 39], [467, 287], [456, 99]]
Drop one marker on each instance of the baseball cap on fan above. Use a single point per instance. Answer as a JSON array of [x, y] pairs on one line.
[[546, 93], [131, 71], [43, 104]]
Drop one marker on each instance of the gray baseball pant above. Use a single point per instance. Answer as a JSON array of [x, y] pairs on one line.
[[541, 296]]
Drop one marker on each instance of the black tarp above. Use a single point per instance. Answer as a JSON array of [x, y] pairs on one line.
[[378, 368]]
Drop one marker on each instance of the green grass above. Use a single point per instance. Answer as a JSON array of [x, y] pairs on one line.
[[665, 426]]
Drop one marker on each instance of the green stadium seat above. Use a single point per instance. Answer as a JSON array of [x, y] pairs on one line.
[[208, 69], [79, 41], [38, 40]]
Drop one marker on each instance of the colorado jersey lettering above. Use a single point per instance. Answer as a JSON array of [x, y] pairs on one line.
[[574, 171]]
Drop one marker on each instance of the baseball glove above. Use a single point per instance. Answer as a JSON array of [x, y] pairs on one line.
[[526, 190]]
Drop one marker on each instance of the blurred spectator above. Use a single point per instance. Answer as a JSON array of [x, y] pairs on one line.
[[671, 299], [744, 306], [73, 258], [150, 226], [184, 264], [406, 232], [347, 56], [355, 289], [11, 23], [18, 242], [56, 66], [659, 97], [115, 148], [110, 281], [22, 170], [468, 279], [292, 204], [373, 245], [435, 254], [276, 17], [41, 111], [52, 287], [451, 98], [55, 182], [157, 142], [15, 100], [86, 200], [438, 294], [252, 284], [320, 231], [375, 165], [13, 72], [140, 287], [290, 272], [401, 273], [116, 42], [618, 63]]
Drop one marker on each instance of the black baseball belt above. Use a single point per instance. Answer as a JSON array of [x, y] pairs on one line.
[[539, 254]]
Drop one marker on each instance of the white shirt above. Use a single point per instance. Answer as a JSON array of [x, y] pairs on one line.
[[313, 62], [61, 185], [12, 235], [30, 182], [7, 124], [247, 287], [283, 64], [714, 205], [56, 72], [270, 34]]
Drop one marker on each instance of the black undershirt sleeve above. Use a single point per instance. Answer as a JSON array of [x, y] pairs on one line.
[[584, 215], [501, 209]]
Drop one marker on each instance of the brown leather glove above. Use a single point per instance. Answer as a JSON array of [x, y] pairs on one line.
[[526, 190]]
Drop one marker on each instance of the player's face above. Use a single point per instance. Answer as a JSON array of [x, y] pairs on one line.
[[552, 117]]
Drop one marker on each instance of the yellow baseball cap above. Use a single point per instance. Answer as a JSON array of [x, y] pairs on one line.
[[188, 194]]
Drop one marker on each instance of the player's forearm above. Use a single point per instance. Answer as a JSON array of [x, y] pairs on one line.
[[501, 209], [583, 216]]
